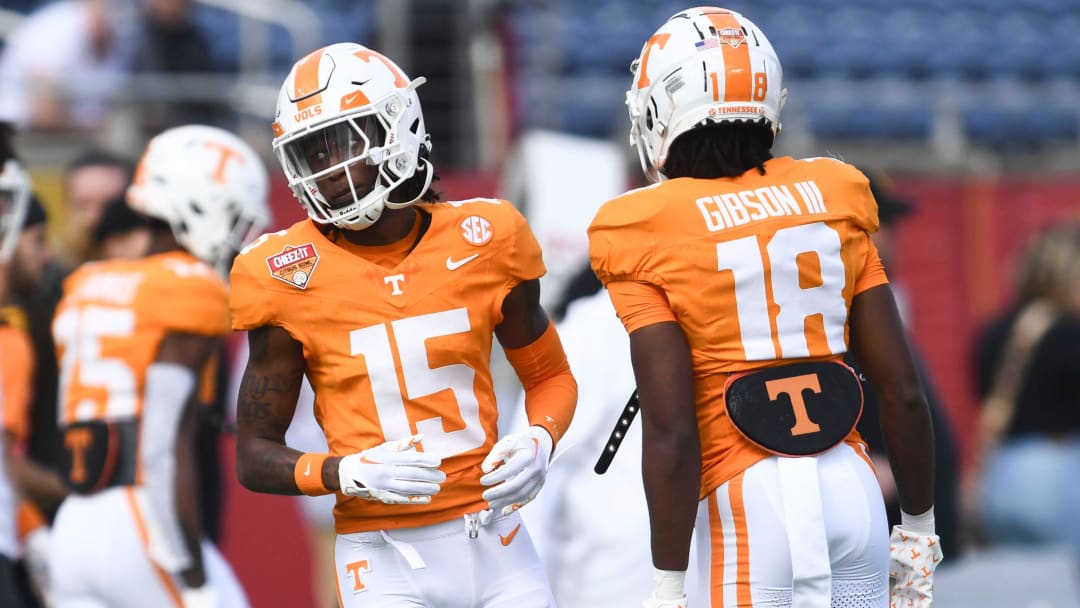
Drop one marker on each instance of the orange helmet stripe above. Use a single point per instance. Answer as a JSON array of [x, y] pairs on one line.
[[399, 78], [306, 81], [738, 80]]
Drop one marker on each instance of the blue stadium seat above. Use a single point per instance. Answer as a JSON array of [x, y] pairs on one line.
[[868, 122], [1019, 128]]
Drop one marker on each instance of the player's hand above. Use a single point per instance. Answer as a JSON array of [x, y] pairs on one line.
[[198, 597], [393, 473], [912, 559], [652, 602], [516, 467]]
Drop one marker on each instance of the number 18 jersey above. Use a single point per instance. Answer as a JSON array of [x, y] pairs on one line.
[[759, 270], [394, 351]]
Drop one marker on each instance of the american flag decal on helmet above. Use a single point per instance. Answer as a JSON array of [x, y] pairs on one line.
[[709, 43]]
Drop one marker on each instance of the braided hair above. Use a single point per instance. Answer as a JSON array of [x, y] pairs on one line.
[[720, 150]]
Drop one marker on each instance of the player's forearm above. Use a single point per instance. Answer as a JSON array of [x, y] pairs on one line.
[[672, 475], [264, 465], [909, 439], [186, 492], [36, 483]]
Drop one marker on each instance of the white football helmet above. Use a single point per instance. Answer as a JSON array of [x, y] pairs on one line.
[[343, 106], [15, 189], [704, 65], [209, 185]]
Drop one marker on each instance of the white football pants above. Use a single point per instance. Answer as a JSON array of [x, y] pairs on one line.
[[798, 532], [439, 566], [98, 558]]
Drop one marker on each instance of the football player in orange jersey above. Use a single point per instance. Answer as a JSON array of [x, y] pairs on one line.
[[22, 256], [132, 338], [742, 279], [388, 300]]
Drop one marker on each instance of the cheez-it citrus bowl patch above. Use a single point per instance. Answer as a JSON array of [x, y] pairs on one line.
[[294, 265], [476, 230]]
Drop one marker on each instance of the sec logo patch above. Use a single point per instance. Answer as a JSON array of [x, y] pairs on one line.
[[476, 230]]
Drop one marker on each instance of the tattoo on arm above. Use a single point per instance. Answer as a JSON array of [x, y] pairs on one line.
[[265, 407]]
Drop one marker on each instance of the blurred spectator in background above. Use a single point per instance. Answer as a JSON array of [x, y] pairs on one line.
[[169, 43], [891, 209], [581, 515], [61, 68], [91, 180], [1027, 367]]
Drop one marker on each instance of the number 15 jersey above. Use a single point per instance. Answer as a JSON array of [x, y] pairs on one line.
[[758, 270], [394, 351]]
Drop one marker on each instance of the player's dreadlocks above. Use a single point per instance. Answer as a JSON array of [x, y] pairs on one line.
[[720, 150]]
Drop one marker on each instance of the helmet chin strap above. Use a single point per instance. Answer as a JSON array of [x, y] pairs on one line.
[[429, 174]]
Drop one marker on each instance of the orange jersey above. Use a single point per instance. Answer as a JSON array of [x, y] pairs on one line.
[[16, 375], [758, 271], [111, 320], [16, 379], [395, 351]]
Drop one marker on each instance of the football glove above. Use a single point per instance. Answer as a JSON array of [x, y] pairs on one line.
[[393, 473], [912, 559], [516, 468]]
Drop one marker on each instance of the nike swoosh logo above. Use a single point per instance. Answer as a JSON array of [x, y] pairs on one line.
[[307, 471], [364, 459], [350, 99], [509, 538], [452, 264]]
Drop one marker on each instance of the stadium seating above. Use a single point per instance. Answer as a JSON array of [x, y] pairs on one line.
[[569, 61], [948, 53]]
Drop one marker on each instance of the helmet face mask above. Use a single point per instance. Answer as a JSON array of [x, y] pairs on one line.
[[349, 132], [14, 200], [208, 185], [704, 65]]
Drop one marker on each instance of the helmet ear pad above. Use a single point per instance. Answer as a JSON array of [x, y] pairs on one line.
[[415, 187]]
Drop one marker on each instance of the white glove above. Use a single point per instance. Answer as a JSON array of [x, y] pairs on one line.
[[393, 473], [198, 597], [524, 457], [912, 559]]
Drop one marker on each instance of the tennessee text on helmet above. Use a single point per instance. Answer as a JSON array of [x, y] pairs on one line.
[[209, 185], [349, 131], [704, 65], [799, 409]]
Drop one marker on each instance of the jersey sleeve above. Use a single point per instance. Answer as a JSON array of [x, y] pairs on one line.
[[854, 190], [873, 271], [621, 242], [639, 304], [526, 259], [16, 377], [193, 304], [249, 301]]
